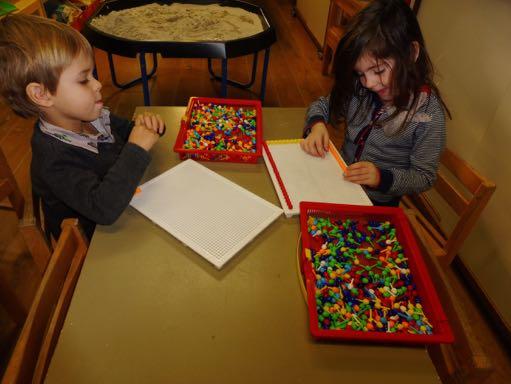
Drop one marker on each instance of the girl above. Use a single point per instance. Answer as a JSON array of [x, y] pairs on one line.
[[86, 163], [385, 95]]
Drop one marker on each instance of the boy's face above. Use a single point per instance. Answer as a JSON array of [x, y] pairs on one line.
[[78, 96], [376, 75]]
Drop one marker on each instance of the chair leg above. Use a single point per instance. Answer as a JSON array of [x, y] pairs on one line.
[[10, 302], [37, 245], [464, 360], [9, 182]]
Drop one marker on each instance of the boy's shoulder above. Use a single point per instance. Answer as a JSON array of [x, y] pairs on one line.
[[46, 146]]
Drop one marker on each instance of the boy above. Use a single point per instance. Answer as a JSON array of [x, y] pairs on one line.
[[86, 163]]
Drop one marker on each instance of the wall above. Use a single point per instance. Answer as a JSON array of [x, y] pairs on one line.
[[315, 15], [470, 44]]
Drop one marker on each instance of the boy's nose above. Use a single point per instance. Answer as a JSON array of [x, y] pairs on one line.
[[97, 84]]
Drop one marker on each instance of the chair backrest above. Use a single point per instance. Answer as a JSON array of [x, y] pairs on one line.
[[34, 348], [29, 216], [14, 193], [465, 190], [468, 208]]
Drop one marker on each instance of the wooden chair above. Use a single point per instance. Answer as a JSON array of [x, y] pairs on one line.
[[339, 15], [464, 361], [37, 239], [9, 188], [31, 357], [467, 193], [30, 224], [11, 303], [9, 191]]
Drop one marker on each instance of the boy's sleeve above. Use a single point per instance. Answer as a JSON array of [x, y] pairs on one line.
[[122, 126], [319, 110], [424, 158], [100, 200]]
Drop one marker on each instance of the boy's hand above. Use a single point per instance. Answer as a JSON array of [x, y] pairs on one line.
[[363, 172], [316, 144], [146, 131], [151, 121]]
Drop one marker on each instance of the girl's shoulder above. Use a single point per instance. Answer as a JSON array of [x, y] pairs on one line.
[[428, 101], [423, 112]]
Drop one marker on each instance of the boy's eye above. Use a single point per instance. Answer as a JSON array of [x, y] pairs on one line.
[[84, 81]]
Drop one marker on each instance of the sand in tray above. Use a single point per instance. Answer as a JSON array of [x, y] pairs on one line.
[[180, 22]]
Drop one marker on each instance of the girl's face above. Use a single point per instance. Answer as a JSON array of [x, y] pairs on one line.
[[376, 75], [78, 96]]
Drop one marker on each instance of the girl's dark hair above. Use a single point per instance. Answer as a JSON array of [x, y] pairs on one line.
[[384, 29]]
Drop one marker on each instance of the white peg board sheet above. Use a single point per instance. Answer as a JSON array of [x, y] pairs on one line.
[[309, 178], [209, 213]]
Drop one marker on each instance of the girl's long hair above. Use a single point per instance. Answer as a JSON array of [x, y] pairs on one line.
[[384, 29]]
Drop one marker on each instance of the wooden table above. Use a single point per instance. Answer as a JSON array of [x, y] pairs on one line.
[[147, 309]]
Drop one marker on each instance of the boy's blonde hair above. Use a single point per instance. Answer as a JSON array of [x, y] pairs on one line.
[[35, 49]]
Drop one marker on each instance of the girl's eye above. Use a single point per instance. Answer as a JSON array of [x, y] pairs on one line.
[[84, 81], [379, 72]]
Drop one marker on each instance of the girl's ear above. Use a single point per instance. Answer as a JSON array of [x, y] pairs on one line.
[[39, 95], [415, 50]]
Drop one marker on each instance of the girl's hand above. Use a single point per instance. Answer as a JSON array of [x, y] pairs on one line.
[[316, 144], [143, 135], [363, 172]]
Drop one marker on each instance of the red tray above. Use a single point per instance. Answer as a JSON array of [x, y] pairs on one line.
[[85, 15], [214, 155], [442, 332]]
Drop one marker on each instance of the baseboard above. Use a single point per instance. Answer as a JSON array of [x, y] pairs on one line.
[[319, 47], [488, 308]]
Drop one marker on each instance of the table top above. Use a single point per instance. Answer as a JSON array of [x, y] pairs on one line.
[[148, 309]]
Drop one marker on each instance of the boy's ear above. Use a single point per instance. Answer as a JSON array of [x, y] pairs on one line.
[[415, 50], [38, 94]]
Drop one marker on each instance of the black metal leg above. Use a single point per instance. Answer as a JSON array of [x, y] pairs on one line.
[[265, 72], [132, 82], [226, 81], [144, 77], [232, 82], [210, 70], [223, 92]]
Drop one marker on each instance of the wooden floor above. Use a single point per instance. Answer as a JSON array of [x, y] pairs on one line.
[[294, 80]]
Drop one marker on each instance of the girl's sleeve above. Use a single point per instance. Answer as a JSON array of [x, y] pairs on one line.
[[424, 158], [100, 200], [319, 110]]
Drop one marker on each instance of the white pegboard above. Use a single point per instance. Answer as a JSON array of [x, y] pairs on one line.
[[210, 214], [309, 178]]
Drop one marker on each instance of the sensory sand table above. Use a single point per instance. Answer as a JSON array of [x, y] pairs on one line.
[[212, 30]]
